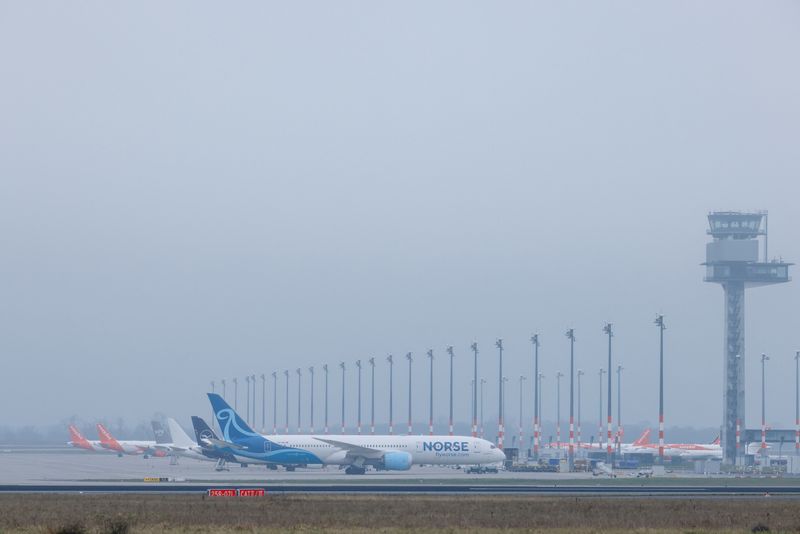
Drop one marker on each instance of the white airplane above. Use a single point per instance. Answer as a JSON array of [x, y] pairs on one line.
[[593, 447], [130, 447], [77, 440], [396, 453], [711, 450], [182, 445]]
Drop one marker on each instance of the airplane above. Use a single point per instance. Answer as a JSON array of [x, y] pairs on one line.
[[129, 447], [175, 443], [77, 440], [161, 434], [204, 435], [215, 448], [595, 446], [184, 446], [163, 441], [356, 452], [683, 450]]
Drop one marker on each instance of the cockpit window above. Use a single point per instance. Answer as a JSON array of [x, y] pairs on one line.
[[492, 447]]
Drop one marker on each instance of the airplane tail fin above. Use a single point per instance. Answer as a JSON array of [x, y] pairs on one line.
[[205, 434], [105, 435], [202, 431], [233, 427], [162, 434], [107, 440], [179, 437], [716, 441], [76, 436], [644, 439]]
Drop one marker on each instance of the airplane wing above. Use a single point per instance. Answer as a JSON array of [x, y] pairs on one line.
[[223, 444], [356, 450], [174, 448]]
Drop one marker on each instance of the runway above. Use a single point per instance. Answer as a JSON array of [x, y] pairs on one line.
[[66, 466], [433, 488]]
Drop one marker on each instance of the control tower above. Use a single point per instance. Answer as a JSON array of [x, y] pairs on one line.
[[733, 260]]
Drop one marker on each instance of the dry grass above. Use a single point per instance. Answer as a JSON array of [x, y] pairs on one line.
[[358, 513]]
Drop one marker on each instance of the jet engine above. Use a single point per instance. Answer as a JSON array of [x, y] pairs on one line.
[[397, 461]]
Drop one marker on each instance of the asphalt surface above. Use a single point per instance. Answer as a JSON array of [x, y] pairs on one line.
[[68, 465], [72, 471]]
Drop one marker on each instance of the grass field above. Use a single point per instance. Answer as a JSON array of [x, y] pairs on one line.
[[395, 513]]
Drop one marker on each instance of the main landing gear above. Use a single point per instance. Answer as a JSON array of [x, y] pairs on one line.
[[221, 465]]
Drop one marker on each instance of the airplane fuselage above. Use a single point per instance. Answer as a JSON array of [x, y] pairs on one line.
[[379, 450], [89, 445]]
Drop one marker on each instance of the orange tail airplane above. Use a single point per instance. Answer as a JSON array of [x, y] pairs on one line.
[[77, 440], [129, 447]]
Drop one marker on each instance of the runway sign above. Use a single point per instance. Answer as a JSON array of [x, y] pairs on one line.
[[232, 492]]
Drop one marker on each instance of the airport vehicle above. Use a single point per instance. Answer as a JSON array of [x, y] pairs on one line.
[[77, 440], [604, 470], [481, 469], [356, 452], [129, 447]]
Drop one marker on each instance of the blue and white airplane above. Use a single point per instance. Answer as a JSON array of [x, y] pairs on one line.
[[205, 434], [395, 453]]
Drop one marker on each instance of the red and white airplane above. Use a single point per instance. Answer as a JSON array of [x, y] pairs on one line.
[[77, 440], [131, 447], [626, 447], [684, 450]]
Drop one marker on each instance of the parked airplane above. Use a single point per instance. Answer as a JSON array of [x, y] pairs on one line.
[[77, 440], [161, 434], [123, 447], [396, 453], [683, 450], [595, 446], [163, 441], [179, 443], [205, 435]]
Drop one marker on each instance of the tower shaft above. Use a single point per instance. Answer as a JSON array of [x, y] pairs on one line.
[[733, 393]]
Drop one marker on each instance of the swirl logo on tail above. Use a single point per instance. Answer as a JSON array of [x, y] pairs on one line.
[[227, 419]]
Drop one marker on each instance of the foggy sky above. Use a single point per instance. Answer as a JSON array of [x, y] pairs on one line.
[[192, 191]]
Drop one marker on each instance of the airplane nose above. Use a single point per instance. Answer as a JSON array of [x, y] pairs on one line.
[[499, 455]]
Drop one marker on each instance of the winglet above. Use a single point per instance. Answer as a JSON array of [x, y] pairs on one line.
[[716, 441]]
